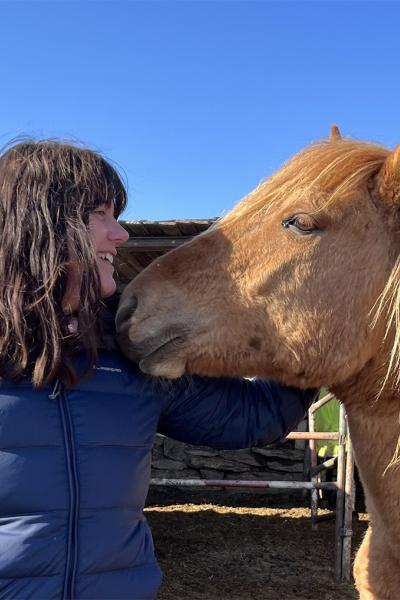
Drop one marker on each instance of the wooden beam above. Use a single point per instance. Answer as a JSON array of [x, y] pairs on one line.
[[151, 244]]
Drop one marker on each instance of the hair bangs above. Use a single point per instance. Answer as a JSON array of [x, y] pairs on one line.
[[106, 187]]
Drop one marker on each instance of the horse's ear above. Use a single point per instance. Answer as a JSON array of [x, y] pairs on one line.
[[335, 135], [387, 182]]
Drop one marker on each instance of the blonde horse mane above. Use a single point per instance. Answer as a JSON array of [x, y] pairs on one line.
[[332, 167], [389, 304]]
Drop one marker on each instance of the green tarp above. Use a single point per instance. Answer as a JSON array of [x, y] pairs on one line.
[[327, 419]]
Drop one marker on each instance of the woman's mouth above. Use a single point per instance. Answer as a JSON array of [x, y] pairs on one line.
[[106, 257]]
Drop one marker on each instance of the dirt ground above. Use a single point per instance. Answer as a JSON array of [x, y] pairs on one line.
[[243, 550]]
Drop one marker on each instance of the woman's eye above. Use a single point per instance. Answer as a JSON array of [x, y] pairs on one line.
[[302, 223]]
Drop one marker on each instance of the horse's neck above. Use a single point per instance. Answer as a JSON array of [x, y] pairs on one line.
[[373, 417]]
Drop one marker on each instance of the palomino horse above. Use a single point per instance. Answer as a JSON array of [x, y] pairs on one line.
[[299, 283]]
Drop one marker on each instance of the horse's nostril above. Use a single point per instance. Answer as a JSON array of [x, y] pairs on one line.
[[125, 311]]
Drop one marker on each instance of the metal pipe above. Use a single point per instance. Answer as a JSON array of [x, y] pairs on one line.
[[327, 464], [296, 485], [316, 435], [319, 403]]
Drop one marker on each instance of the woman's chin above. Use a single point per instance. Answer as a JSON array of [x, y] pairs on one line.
[[108, 288]]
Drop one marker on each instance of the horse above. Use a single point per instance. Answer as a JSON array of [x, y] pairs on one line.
[[300, 283]]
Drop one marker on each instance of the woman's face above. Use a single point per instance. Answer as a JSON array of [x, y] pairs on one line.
[[106, 235]]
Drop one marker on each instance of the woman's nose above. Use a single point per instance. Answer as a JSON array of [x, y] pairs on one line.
[[119, 233]]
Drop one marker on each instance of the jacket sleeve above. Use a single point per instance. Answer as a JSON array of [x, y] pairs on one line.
[[231, 413]]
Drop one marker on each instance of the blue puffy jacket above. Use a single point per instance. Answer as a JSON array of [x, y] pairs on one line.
[[75, 468]]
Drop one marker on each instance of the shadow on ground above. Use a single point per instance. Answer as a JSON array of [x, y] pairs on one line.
[[241, 552]]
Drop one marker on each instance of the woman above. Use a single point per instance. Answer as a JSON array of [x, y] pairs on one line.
[[77, 421]]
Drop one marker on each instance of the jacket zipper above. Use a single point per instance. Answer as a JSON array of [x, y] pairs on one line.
[[72, 545]]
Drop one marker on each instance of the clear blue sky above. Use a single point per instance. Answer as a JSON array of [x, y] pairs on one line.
[[197, 101]]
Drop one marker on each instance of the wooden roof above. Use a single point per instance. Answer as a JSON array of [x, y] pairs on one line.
[[150, 239]]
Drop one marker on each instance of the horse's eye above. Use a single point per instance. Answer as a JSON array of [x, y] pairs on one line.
[[302, 224]]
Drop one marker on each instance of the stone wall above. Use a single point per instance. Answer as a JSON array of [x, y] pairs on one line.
[[283, 461]]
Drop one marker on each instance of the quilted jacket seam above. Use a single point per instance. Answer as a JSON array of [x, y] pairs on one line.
[[132, 568]]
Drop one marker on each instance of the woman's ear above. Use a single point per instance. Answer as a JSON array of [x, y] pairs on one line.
[[386, 183]]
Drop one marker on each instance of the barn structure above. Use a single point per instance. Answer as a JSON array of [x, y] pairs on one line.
[[150, 239]]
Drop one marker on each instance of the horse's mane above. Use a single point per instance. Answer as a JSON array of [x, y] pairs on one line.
[[332, 168]]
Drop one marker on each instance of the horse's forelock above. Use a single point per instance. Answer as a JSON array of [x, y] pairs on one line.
[[332, 170]]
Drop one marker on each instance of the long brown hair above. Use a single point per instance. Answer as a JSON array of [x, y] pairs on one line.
[[47, 191]]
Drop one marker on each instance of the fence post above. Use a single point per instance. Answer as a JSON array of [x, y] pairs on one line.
[[341, 465], [347, 531], [313, 464]]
